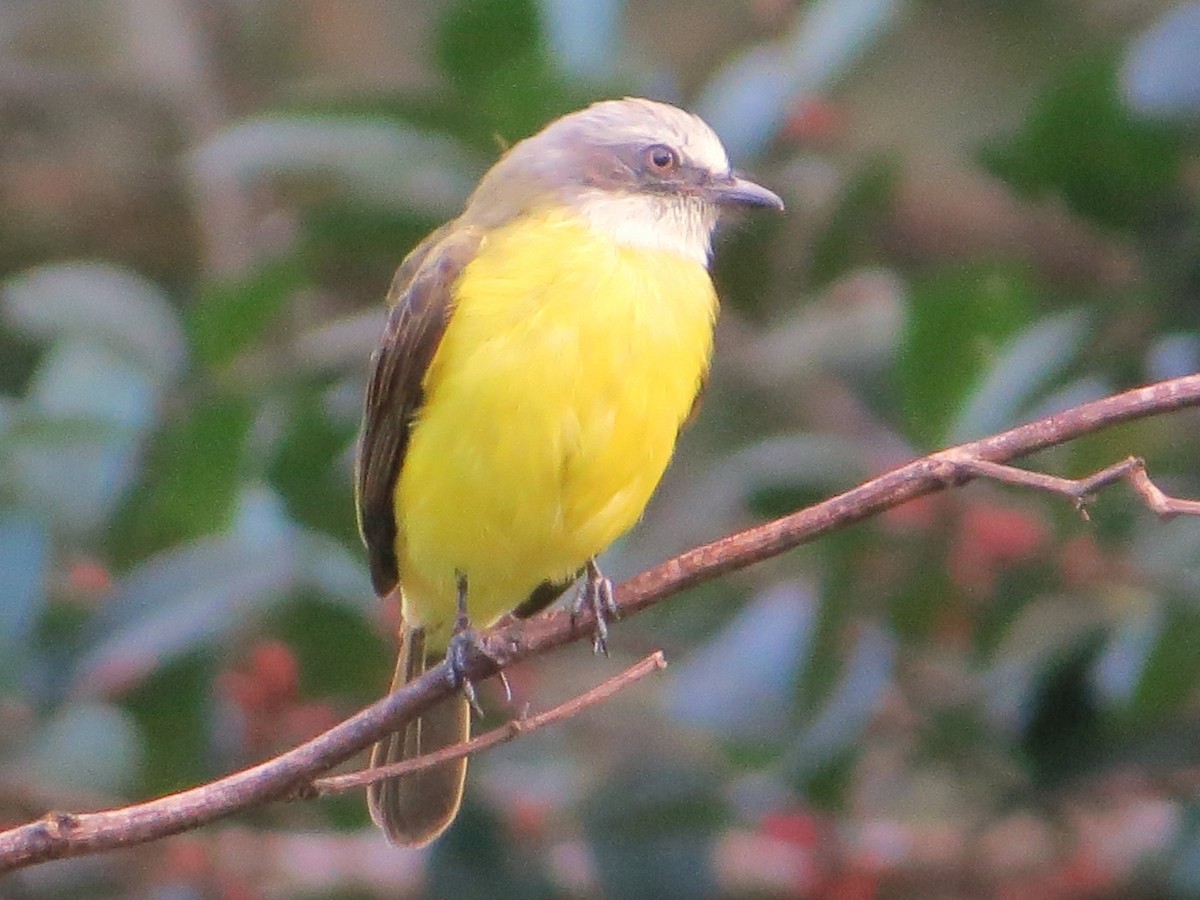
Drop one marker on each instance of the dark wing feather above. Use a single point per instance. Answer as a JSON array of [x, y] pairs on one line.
[[543, 595], [421, 304]]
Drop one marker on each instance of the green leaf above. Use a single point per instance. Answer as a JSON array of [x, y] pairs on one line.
[[1122, 664], [82, 379], [173, 710], [381, 163], [496, 57], [478, 859], [75, 444], [920, 601], [339, 651], [1081, 143], [760, 652], [742, 262], [651, 830], [358, 246], [1172, 672], [585, 35], [480, 38], [839, 724], [848, 237], [203, 456], [1159, 76], [956, 322], [191, 482], [312, 471], [233, 315], [779, 474], [23, 552], [750, 96], [99, 303], [72, 472], [1027, 365], [1064, 730], [85, 746], [192, 595], [1182, 859]]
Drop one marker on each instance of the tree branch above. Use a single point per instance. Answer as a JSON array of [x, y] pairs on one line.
[[60, 835], [514, 728], [1080, 490]]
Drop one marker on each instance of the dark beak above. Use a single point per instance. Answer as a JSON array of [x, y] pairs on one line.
[[734, 191]]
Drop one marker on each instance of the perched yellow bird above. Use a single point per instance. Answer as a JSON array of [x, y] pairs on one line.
[[542, 352]]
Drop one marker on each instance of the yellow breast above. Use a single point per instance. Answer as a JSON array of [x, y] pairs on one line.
[[551, 411]]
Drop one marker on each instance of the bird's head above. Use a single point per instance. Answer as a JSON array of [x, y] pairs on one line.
[[646, 173]]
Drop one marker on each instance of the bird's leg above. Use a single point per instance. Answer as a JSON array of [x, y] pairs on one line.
[[462, 642], [596, 594]]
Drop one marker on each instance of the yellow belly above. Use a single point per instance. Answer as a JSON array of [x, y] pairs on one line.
[[551, 411]]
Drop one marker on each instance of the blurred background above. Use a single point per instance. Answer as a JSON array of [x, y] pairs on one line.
[[992, 214]]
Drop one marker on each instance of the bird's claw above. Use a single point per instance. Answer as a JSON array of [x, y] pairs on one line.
[[596, 596], [464, 640], [462, 644]]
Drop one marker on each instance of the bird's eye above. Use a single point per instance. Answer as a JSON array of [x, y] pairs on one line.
[[661, 159]]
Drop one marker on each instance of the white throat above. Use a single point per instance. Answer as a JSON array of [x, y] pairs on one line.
[[678, 225]]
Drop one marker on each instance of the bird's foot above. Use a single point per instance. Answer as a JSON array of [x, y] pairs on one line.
[[596, 595], [464, 641]]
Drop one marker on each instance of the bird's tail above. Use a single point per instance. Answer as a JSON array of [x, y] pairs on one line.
[[414, 809]]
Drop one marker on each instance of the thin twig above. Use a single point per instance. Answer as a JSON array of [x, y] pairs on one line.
[[337, 784], [1082, 491], [59, 835]]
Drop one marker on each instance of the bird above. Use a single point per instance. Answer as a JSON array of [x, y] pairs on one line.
[[541, 353]]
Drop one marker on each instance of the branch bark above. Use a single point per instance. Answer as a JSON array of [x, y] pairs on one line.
[[59, 835], [514, 728]]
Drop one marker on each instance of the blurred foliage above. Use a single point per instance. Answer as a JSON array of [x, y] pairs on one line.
[[957, 320], [992, 214], [1082, 144]]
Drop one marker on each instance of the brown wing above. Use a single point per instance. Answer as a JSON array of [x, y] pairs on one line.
[[421, 304]]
